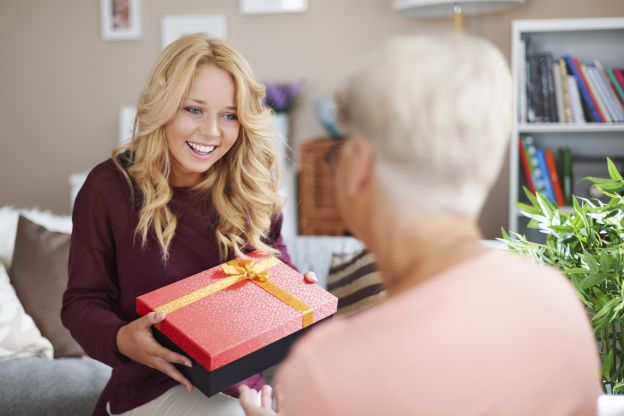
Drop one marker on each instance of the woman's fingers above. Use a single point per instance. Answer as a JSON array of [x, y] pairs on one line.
[[167, 368], [279, 399], [311, 277], [266, 397], [150, 319], [170, 356], [248, 398]]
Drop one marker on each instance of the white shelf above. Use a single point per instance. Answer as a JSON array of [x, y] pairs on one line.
[[568, 25], [588, 40], [570, 127]]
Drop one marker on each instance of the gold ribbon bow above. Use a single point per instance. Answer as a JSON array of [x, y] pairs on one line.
[[239, 270]]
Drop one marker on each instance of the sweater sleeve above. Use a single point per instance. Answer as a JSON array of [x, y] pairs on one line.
[[91, 301]]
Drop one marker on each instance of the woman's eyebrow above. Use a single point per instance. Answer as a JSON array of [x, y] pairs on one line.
[[199, 101]]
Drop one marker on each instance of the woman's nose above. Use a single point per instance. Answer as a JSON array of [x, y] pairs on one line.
[[210, 126]]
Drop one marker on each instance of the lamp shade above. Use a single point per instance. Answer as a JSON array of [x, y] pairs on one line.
[[443, 8]]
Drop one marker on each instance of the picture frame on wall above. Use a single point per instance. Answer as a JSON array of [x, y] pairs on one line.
[[174, 27], [272, 6], [120, 19]]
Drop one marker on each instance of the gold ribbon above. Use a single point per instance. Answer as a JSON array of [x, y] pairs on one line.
[[239, 270]]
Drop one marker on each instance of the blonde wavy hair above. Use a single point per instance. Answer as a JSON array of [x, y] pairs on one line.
[[243, 183]]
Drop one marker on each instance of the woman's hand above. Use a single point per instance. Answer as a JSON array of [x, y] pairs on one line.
[[310, 277], [248, 399], [135, 341]]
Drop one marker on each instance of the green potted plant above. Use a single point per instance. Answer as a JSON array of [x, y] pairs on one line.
[[587, 245]]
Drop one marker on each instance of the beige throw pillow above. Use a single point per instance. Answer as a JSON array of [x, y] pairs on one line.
[[355, 281], [19, 337]]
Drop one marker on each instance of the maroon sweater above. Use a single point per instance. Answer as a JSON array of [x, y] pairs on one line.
[[109, 268]]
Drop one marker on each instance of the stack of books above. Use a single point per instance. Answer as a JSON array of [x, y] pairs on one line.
[[541, 173], [566, 90]]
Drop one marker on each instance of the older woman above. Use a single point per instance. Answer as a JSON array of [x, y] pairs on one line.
[[465, 330]]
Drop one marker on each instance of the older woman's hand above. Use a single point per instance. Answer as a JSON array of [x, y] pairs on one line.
[[310, 277], [249, 401]]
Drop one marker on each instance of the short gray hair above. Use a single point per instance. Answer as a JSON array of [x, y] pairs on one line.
[[437, 110]]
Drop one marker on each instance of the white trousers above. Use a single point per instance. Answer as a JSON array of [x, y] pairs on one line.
[[177, 401]]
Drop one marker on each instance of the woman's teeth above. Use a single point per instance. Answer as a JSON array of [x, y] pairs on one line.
[[200, 148]]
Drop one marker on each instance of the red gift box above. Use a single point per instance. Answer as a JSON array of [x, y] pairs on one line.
[[227, 312]]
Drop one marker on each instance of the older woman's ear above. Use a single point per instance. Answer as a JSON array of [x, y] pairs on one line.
[[362, 164]]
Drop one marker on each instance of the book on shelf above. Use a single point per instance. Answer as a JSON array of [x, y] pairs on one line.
[[565, 92], [616, 85], [548, 94], [540, 171], [584, 90], [565, 156], [545, 104], [575, 100], [619, 75], [526, 166], [548, 189], [592, 84], [536, 171], [608, 91], [558, 92], [523, 79], [554, 176]]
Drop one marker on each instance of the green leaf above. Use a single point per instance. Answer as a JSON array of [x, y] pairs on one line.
[[591, 281], [591, 262], [616, 311], [602, 316], [562, 228], [602, 298], [529, 209], [606, 366], [618, 387], [613, 172]]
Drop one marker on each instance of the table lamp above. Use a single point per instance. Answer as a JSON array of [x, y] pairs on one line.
[[458, 8]]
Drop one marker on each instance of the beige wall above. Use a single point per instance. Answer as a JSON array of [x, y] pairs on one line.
[[61, 85]]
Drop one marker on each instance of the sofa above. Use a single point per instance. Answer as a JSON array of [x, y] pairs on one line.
[[41, 376]]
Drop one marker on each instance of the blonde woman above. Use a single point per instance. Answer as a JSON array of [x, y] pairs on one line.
[[194, 187], [464, 331]]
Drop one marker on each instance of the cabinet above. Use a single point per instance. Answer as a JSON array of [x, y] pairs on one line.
[[589, 40]]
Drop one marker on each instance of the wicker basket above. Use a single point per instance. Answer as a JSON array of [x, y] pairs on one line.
[[318, 213]]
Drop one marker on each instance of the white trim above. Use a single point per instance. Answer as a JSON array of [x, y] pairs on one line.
[[570, 127], [565, 25]]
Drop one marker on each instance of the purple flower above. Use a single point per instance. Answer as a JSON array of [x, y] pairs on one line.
[[280, 96]]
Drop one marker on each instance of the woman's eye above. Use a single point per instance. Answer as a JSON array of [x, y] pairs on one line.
[[230, 116], [193, 110]]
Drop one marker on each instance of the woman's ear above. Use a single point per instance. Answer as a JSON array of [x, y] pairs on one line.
[[362, 163]]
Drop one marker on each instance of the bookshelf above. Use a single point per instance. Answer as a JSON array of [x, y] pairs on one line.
[[589, 142]]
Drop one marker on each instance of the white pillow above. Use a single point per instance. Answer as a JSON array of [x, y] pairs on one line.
[[8, 227], [19, 336]]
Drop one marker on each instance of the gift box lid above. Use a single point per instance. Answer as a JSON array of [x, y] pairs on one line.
[[218, 328]]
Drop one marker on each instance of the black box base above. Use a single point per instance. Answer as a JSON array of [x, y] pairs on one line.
[[213, 382]]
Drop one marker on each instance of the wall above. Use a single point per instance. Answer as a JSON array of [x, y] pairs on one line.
[[61, 85]]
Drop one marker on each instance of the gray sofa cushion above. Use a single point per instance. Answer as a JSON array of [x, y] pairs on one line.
[[39, 386], [313, 253]]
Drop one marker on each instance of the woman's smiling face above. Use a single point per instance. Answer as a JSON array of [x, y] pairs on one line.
[[204, 128]]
